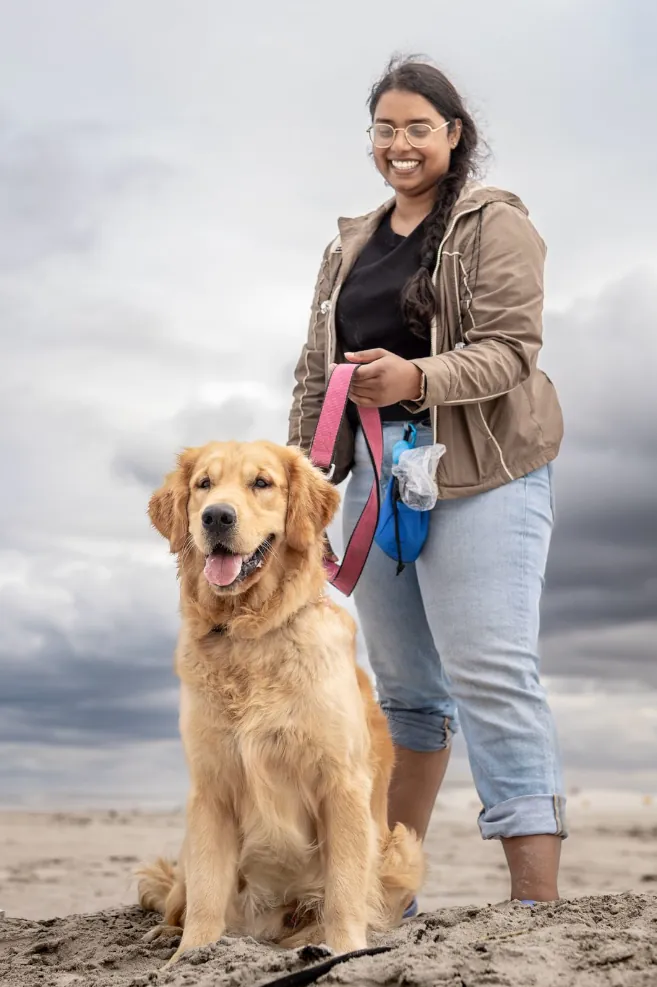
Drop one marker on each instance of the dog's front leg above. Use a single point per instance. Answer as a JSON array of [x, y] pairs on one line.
[[210, 870], [350, 861]]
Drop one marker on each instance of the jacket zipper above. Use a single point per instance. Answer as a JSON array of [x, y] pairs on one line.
[[434, 321], [329, 304], [330, 326]]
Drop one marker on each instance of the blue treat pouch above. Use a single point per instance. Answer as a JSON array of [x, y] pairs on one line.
[[410, 495], [401, 531]]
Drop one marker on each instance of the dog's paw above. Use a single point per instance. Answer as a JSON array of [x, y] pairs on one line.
[[173, 959], [162, 931], [313, 952]]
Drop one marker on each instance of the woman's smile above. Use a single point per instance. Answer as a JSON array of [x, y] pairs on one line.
[[405, 166]]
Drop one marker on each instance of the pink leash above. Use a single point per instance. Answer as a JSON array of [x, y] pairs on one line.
[[345, 576]]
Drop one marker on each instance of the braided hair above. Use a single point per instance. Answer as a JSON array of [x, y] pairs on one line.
[[414, 76]]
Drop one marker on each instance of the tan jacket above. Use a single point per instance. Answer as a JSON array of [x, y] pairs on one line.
[[497, 414]]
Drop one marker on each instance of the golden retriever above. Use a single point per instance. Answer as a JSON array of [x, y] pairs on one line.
[[289, 755]]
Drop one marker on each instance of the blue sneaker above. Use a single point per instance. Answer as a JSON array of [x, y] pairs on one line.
[[411, 910]]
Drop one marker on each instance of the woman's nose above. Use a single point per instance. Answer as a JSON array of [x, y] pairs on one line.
[[400, 142]]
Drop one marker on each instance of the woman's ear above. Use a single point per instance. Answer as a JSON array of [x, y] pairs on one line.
[[167, 507], [311, 502], [455, 133]]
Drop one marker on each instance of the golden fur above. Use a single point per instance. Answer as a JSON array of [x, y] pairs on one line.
[[289, 755]]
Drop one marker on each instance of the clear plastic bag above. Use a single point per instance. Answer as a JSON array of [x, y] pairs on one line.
[[416, 475]]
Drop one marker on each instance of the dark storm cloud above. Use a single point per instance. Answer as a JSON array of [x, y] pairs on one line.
[[92, 662], [603, 564], [613, 547], [602, 576]]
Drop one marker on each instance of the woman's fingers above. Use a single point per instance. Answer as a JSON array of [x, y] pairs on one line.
[[366, 356]]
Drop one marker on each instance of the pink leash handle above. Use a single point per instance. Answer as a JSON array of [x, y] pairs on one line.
[[345, 575]]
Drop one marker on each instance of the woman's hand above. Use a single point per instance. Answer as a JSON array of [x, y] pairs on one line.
[[383, 379]]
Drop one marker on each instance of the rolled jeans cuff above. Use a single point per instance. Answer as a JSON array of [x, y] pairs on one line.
[[419, 730], [526, 815]]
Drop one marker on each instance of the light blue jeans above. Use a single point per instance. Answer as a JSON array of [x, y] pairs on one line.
[[459, 629]]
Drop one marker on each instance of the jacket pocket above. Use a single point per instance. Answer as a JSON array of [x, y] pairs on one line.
[[472, 455]]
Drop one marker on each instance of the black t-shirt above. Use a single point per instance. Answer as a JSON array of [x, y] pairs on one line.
[[369, 313]]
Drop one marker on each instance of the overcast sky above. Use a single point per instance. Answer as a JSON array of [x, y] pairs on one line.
[[169, 175]]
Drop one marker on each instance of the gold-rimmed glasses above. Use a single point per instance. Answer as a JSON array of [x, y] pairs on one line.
[[417, 134]]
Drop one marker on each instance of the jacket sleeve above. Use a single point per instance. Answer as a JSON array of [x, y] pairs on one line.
[[310, 371], [502, 320]]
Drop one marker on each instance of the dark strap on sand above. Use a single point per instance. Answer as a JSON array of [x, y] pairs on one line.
[[311, 974]]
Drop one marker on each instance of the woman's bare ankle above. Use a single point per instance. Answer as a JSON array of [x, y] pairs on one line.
[[534, 867], [414, 786]]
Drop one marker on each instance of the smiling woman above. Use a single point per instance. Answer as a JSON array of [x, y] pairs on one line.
[[424, 140], [438, 295]]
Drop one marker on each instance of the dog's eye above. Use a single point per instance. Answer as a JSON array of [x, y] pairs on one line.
[[204, 483], [260, 483]]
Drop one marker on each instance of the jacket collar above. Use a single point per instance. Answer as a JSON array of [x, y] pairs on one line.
[[355, 232]]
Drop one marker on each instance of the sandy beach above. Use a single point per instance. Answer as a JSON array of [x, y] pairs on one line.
[[68, 893]]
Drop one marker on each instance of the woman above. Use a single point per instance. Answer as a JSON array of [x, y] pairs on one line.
[[438, 295]]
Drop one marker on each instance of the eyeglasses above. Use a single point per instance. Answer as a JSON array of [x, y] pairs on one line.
[[417, 134]]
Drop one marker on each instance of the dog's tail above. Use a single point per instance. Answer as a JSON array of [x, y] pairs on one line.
[[156, 881], [401, 873]]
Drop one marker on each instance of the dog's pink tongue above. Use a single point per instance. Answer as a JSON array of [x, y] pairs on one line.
[[222, 570]]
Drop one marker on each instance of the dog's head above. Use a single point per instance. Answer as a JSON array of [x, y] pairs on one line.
[[241, 505]]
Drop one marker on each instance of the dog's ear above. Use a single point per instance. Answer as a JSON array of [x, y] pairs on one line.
[[167, 507], [312, 501]]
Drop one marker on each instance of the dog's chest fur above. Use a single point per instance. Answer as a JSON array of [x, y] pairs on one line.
[[271, 723]]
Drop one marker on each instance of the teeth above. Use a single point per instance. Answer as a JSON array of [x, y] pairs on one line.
[[404, 165]]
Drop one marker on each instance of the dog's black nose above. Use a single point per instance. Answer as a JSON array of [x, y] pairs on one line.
[[219, 517]]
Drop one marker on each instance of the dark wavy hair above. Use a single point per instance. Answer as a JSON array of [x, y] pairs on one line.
[[415, 75]]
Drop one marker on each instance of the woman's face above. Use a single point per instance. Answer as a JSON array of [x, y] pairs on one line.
[[408, 169]]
